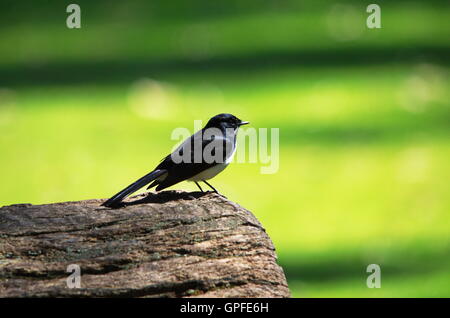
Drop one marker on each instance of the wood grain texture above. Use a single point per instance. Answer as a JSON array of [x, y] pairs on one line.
[[170, 244]]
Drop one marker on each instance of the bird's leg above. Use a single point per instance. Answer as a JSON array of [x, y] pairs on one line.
[[198, 186], [211, 187]]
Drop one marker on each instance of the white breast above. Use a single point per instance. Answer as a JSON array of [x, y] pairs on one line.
[[209, 173], [214, 170]]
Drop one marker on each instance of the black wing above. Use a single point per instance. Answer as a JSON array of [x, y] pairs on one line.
[[180, 171]]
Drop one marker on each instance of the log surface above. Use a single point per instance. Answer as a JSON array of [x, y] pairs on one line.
[[171, 244]]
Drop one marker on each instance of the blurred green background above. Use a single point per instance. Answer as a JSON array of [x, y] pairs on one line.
[[364, 118]]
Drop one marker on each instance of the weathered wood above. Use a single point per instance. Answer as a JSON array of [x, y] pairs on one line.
[[174, 244]]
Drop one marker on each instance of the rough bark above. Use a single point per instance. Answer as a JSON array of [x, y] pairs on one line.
[[171, 244]]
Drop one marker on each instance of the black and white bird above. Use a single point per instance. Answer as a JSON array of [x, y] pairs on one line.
[[199, 158]]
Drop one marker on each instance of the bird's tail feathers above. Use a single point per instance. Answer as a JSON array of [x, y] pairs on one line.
[[117, 198]]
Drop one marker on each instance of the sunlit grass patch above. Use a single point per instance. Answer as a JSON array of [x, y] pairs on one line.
[[357, 169]]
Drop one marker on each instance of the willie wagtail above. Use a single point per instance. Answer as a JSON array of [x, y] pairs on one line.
[[199, 158]]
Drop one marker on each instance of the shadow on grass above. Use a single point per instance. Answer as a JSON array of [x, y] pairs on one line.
[[354, 266], [122, 71], [405, 128]]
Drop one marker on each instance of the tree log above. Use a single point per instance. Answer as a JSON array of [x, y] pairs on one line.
[[170, 244]]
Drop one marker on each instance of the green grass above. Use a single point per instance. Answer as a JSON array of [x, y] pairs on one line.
[[434, 284], [362, 175], [140, 33]]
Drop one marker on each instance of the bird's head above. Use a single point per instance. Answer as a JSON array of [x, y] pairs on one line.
[[225, 121]]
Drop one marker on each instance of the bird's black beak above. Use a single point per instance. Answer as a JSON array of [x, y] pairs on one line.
[[244, 123]]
